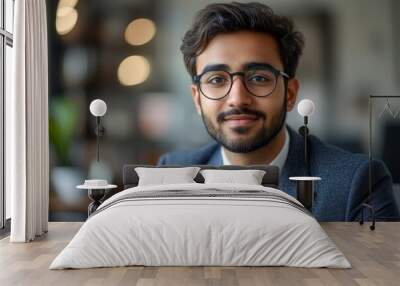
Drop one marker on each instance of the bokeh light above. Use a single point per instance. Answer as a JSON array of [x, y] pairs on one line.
[[66, 20], [133, 70], [67, 3], [140, 31], [66, 16]]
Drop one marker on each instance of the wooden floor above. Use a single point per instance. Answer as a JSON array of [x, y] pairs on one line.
[[374, 255]]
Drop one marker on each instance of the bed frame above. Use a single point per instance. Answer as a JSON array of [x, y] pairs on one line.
[[271, 178]]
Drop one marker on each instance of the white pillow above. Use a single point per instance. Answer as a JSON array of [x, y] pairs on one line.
[[249, 177], [162, 176]]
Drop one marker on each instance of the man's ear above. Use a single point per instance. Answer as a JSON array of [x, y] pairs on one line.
[[292, 90], [196, 98]]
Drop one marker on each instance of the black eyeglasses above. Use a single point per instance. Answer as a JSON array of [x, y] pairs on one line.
[[260, 82]]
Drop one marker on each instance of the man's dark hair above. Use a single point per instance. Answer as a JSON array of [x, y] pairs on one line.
[[222, 18]]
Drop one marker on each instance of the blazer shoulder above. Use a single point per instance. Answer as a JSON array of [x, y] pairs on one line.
[[336, 156], [324, 156], [189, 157]]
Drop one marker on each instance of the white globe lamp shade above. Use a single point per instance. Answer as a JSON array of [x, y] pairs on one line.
[[98, 107], [305, 107]]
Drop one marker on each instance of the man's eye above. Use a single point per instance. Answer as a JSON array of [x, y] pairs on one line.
[[259, 79], [217, 80]]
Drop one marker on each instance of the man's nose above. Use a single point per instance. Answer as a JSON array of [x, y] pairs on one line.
[[239, 96]]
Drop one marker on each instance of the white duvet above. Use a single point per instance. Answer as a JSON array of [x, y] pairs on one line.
[[206, 230]]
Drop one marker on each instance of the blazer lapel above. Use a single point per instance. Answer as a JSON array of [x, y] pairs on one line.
[[216, 157]]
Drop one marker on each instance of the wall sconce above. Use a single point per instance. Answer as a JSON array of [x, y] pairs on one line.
[[305, 109], [98, 108]]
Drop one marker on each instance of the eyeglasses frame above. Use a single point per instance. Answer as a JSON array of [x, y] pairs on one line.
[[276, 72]]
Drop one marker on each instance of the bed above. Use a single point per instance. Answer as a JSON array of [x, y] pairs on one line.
[[201, 223]]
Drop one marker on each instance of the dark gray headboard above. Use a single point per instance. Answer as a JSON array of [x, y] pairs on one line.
[[270, 179]]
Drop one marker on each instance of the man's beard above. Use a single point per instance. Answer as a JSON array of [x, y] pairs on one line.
[[262, 138]]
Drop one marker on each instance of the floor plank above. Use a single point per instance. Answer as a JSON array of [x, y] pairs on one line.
[[374, 255]]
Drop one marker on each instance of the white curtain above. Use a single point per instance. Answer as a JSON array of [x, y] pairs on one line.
[[27, 147]]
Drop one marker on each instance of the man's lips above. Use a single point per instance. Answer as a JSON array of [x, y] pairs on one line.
[[240, 117], [241, 120]]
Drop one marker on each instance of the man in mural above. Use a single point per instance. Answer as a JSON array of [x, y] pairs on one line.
[[242, 58]]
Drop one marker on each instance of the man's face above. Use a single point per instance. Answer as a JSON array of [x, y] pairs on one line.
[[240, 121]]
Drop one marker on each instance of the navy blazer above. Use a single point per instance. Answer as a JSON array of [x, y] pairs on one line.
[[344, 184]]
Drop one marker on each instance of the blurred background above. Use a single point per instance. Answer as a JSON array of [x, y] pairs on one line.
[[126, 52]]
